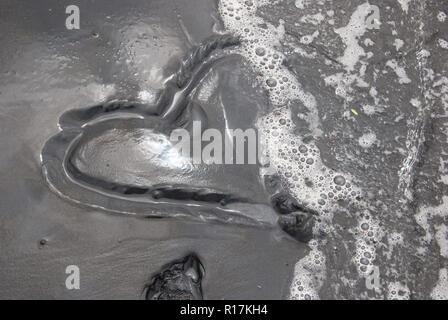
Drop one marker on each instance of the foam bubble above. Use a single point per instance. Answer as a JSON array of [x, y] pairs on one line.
[[350, 35], [398, 291], [424, 216], [309, 275], [440, 291], [442, 239], [394, 239], [399, 71], [260, 43], [367, 236], [300, 166], [297, 162], [367, 140], [443, 43]]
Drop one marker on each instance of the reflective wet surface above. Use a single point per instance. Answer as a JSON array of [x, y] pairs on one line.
[[120, 152], [49, 70], [353, 115]]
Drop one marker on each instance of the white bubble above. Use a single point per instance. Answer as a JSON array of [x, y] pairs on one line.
[[367, 140]]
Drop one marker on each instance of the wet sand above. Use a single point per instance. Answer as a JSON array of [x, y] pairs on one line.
[[392, 148]]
